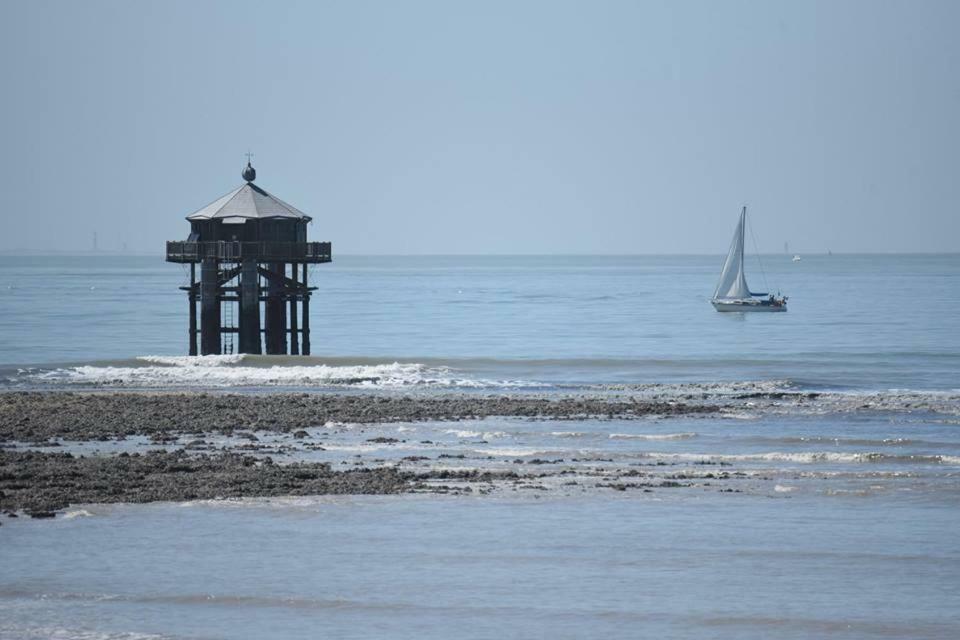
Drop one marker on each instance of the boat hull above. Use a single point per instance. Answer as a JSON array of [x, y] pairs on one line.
[[749, 306]]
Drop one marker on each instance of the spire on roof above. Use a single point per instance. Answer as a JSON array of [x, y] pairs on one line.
[[249, 173]]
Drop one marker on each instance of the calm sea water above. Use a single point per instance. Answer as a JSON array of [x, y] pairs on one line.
[[839, 434], [862, 322]]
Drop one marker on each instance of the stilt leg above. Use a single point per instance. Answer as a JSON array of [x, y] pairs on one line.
[[275, 313], [192, 299], [209, 307], [249, 307], [306, 315], [294, 333]]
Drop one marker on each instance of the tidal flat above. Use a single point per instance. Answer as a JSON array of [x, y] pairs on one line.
[[47, 463]]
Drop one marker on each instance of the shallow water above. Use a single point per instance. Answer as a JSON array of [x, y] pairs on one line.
[[776, 525], [437, 567], [823, 499]]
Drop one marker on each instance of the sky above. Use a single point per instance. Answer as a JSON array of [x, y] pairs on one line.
[[501, 127]]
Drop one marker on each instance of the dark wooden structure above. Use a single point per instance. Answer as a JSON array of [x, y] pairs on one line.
[[251, 247]]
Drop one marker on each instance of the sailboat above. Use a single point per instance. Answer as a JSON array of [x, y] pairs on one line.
[[733, 293]]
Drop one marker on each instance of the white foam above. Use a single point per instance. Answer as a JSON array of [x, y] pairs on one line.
[[712, 389], [735, 415], [780, 488], [78, 513], [463, 433], [59, 633], [194, 361], [467, 433], [229, 371], [652, 436], [785, 397], [891, 400], [810, 457], [513, 452], [370, 447]]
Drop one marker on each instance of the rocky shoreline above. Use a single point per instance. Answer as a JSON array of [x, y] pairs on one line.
[[39, 483], [40, 416]]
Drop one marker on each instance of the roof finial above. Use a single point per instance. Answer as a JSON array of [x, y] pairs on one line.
[[249, 173]]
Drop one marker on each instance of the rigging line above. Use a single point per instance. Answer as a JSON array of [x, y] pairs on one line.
[[756, 249]]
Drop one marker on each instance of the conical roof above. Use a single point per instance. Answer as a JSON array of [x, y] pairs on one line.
[[248, 202]]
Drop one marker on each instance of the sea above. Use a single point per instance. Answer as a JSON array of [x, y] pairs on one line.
[[838, 432]]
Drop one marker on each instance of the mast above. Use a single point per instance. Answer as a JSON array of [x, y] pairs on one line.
[[741, 276], [743, 226]]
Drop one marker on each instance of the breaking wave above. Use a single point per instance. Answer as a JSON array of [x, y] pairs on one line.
[[810, 457], [738, 400], [652, 436], [467, 433], [516, 452], [861, 442], [61, 633], [194, 361], [243, 371]]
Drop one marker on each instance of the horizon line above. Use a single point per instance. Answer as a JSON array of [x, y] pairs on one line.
[[27, 253]]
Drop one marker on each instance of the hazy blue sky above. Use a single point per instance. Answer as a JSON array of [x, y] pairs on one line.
[[487, 127]]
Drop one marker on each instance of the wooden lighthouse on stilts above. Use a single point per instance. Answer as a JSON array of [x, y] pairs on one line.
[[251, 247]]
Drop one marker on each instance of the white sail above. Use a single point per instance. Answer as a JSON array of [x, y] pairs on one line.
[[733, 282]]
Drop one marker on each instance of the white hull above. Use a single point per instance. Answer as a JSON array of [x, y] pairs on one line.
[[748, 305]]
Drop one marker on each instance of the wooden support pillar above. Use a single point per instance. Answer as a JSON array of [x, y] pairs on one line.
[[275, 312], [294, 334], [249, 307], [306, 315], [191, 297], [209, 307]]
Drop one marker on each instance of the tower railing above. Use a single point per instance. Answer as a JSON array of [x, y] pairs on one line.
[[235, 251]]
